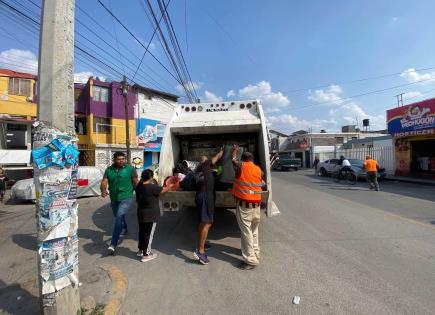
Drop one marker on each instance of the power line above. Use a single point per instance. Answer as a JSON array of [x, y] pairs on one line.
[[122, 24], [172, 33], [169, 53], [104, 51], [149, 43], [363, 94]]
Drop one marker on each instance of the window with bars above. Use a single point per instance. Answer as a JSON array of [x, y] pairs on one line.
[[18, 86], [100, 94], [103, 125]]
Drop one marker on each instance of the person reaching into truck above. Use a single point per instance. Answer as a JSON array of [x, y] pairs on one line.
[[205, 202], [371, 167], [247, 192], [148, 212]]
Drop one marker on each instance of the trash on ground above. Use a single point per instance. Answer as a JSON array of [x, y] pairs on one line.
[[296, 300]]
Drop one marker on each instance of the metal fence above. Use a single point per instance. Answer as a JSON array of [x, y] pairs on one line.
[[384, 156]]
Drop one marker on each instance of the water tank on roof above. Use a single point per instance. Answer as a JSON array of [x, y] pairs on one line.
[[366, 122]]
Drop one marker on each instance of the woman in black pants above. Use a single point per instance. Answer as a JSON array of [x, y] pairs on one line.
[[148, 212]]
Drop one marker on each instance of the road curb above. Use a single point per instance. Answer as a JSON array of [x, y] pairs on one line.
[[118, 290]]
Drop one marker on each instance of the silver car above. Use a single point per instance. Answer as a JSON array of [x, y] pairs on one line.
[[328, 167], [88, 184]]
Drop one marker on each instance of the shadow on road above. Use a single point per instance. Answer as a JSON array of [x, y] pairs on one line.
[[19, 298], [175, 234], [26, 241], [405, 189]]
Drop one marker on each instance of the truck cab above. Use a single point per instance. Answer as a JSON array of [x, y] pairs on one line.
[[202, 129]]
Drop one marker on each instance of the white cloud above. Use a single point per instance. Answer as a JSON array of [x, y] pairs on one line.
[[196, 85], [329, 95], [272, 101], [211, 97], [82, 77], [290, 123], [351, 113], [412, 76], [412, 94], [19, 60]]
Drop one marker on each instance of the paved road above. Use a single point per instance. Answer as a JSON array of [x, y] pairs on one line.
[[343, 250]]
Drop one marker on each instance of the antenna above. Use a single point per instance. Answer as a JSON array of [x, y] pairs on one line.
[[399, 99]]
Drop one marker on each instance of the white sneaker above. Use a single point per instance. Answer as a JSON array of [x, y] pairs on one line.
[[139, 253], [149, 257], [111, 250]]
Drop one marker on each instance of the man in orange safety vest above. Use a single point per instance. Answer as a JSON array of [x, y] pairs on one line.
[[247, 190]]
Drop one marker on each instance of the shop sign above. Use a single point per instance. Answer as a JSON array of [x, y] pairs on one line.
[[411, 120]]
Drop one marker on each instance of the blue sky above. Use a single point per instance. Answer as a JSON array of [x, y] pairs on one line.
[[266, 50]]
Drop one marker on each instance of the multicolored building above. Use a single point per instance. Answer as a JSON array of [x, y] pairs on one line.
[[413, 130], [100, 121]]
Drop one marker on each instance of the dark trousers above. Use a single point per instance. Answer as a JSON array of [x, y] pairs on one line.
[[372, 178], [146, 233]]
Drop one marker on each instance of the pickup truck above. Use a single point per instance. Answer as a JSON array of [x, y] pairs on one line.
[[202, 129], [283, 162]]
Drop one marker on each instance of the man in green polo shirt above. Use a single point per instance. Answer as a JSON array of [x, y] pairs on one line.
[[121, 179]]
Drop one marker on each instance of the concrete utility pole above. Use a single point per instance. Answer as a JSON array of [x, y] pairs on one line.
[[127, 122], [58, 276]]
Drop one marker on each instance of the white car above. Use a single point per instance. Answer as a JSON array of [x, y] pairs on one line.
[[88, 184], [328, 167]]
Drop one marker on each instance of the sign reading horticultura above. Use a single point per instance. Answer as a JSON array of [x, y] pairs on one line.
[[411, 120]]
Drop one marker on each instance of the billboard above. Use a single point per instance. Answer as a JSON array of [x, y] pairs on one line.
[[150, 134], [411, 120]]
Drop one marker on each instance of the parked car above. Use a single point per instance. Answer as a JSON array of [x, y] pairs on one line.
[[88, 184], [326, 168], [284, 162]]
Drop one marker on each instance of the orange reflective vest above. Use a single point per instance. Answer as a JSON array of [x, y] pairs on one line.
[[247, 186], [371, 165]]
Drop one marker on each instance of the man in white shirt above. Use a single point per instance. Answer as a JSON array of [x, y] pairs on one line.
[[344, 165]]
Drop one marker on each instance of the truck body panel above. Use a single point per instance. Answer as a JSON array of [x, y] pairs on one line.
[[202, 129]]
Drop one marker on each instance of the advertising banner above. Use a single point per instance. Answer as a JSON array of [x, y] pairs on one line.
[[411, 120], [150, 134]]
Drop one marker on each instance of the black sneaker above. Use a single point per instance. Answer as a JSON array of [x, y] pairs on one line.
[[245, 266]]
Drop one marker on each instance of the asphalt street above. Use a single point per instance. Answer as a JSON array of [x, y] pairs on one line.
[[342, 249]]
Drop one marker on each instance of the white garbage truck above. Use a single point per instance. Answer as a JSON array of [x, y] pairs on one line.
[[202, 129]]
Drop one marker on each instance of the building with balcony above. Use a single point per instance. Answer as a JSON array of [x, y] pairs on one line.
[[100, 121], [17, 112]]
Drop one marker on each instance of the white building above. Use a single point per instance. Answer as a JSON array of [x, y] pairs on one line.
[[153, 111]]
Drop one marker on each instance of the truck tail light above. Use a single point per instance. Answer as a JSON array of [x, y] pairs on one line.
[[249, 106], [242, 106], [187, 109]]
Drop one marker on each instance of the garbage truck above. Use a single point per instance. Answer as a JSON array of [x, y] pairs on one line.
[[202, 129]]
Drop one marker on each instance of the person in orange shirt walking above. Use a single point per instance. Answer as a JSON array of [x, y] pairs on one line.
[[371, 166]]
